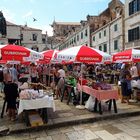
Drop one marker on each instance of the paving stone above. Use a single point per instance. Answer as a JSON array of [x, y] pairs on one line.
[[111, 129], [53, 132], [10, 138], [95, 124], [17, 126], [124, 128], [93, 129], [66, 114], [132, 125], [44, 138], [124, 136], [134, 118], [98, 139], [137, 138], [22, 136], [66, 129], [73, 135], [70, 113], [38, 134], [2, 138], [87, 134], [120, 126], [59, 137], [84, 134], [78, 127], [105, 135], [132, 132], [86, 126], [137, 122]]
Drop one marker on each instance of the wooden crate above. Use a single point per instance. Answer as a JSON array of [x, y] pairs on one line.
[[35, 120]]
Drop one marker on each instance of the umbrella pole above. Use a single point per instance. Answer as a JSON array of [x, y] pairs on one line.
[[49, 75], [81, 85], [81, 106]]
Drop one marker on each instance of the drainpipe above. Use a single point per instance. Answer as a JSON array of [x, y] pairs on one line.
[[109, 42], [123, 32]]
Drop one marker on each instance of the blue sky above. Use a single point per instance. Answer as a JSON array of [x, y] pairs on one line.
[[45, 11]]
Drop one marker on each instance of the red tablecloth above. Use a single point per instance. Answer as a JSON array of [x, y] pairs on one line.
[[99, 94]]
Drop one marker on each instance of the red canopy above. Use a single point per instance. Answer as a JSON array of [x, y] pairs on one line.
[[127, 55], [49, 55], [14, 52], [83, 54]]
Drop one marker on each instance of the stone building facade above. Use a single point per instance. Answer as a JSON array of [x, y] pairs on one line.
[[23, 35], [31, 38], [102, 28], [109, 38], [81, 37], [62, 30], [107, 30], [132, 24], [13, 33]]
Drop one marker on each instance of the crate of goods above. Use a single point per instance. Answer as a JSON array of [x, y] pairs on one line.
[[35, 120]]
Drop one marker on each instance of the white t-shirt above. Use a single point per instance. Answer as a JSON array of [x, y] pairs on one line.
[[7, 75], [134, 71], [62, 73]]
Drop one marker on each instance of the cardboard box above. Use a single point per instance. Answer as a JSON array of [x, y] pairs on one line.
[[35, 120]]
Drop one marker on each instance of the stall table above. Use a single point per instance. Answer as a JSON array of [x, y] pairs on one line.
[[39, 103], [100, 95]]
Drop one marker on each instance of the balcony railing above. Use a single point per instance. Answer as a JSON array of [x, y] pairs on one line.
[[134, 44]]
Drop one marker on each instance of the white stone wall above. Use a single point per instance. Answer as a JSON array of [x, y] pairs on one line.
[[116, 35], [3, 41], [28, 36], [40, 46], [84, 41], [100, 41], [13, 32], [131, 21], [110, 37], [28, 39]]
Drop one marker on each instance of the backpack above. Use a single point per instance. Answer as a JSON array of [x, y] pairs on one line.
[[1, 75]]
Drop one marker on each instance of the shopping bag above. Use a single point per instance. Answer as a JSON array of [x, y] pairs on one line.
[[90, 103]]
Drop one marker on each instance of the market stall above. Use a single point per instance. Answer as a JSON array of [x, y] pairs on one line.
[[101, 95], [38, 100]]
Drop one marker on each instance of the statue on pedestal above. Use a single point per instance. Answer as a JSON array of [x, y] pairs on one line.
[[3, 31]]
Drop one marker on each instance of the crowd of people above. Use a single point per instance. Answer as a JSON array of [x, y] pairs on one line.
[[55, 75]]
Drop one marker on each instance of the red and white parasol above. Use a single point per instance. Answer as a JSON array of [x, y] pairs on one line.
[[127, 56], [83, 54], [49, 55], [15, 52]]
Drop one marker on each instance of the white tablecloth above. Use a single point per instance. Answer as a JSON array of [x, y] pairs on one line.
[[45, 102]]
